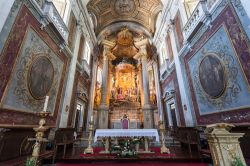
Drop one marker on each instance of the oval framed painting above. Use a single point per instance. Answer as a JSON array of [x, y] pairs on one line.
[[212, 75], [40, 77]]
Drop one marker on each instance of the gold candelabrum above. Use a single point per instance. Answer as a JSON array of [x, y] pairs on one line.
[[39, 137], [89, 149], [164, 149]]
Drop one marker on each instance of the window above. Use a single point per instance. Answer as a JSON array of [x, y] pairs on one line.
[[99, 75], [169, 48], [210, 3], [87, 53], [162, 56], [178, 31], [80, 115], [81, 48], [60, 6], [79, 107], [190, 6]]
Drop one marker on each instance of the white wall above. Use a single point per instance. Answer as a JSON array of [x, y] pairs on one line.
[[165, 27], [246, 5], [5, 6]]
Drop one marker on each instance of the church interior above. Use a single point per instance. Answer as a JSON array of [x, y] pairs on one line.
[[125, 82]]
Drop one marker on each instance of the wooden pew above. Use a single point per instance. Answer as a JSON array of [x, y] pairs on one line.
[[15, 146], [192, 136], [63, 137]]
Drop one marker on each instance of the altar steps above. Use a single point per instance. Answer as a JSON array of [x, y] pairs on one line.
[[177, 155], [136, 164]]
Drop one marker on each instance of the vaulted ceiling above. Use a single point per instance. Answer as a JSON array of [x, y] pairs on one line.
[[143, 13]]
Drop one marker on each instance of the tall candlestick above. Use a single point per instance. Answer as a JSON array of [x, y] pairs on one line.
[[46, 103], [161, 117], [91, 118]]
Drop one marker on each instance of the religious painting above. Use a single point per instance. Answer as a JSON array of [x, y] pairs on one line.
[[40, 77], [212, 76]]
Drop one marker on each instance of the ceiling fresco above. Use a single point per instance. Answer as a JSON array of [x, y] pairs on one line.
[[141, 12]]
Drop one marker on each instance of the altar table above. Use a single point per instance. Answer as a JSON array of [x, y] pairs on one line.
[[126, 133]]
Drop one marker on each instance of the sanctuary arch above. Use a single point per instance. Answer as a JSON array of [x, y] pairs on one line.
[[128, 83]]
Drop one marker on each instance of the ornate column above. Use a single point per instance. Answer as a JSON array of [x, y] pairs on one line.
[[147, 108], [70, 79], [92, 86], [140, 85], [104, 87], [145, 80], [103, 110], [224, 146]]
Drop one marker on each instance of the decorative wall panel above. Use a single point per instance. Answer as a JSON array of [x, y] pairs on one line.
[[32, 66], [37, 74], [218, 72]]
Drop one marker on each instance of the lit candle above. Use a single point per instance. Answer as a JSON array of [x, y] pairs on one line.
[[91, 118], [46, 103]]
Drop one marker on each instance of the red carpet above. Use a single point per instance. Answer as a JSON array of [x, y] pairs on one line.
[[135, 164], [153, 159]]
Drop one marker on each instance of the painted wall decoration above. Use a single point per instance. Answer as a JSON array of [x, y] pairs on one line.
[[33, 77], [212, 76], [219, 85], [31, 67]]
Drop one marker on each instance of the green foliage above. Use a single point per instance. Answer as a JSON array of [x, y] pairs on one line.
[[126, 147], [30, 162], [237, 162]]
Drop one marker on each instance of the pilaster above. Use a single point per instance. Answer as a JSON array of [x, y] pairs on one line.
[[70, 81], [147, 108]]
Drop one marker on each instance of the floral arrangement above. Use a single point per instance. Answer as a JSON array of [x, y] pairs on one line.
[[237, 161], [30, 162], [126, 147]]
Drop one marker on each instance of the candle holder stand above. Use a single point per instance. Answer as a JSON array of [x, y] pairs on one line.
[[89, 149], [39, 137], [164, 149]]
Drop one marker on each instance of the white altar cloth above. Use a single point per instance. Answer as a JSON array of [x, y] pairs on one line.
[[126, 133]]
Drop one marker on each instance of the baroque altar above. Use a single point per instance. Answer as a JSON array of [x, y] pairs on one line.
[[126, 133]]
